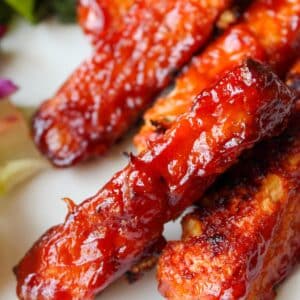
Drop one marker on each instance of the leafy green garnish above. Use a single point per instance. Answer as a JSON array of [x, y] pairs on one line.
[[36, 10], [17, 171], [5, 13], [25, 8], [65, 10], [19, 158]]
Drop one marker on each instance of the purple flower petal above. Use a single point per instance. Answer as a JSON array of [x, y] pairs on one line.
[[7, 88]]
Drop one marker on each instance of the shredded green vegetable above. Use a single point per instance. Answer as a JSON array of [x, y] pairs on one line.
[[19, 158]]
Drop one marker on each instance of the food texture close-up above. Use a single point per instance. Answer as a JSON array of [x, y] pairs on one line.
[[169, 129]]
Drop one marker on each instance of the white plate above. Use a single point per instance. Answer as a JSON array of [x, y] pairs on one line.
[[39, 59]]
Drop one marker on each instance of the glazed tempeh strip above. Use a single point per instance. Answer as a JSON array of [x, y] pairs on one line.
[[109, 91], [101, 17], [108, 233], [270, 32], [245, 237]]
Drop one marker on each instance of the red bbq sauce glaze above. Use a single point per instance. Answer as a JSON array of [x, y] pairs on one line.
[[269, 31], [293, 80], [107, 93], [226, 52], [106, 234], [98, 17], [276, 25], [245, 238]]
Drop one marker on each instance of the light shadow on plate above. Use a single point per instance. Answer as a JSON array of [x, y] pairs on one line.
[[6, 57], [145, 288]]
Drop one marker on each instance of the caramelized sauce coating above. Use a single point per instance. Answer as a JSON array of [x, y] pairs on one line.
[[228, 51], [98, 17], [293, 78], [107, 93], [245, 237], [276, 25], [109, 232], [269, 32]]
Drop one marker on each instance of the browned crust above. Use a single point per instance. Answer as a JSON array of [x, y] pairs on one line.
[[105, 236], [246, 242], [293, 78]]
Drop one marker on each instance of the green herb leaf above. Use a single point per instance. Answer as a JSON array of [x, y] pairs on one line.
[[25, 8]]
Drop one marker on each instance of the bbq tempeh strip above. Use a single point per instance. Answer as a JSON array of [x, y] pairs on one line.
[[226, 233], [227, 51], [105, 235], [245, 238], [270, 32], [99, 17], [107, 93]]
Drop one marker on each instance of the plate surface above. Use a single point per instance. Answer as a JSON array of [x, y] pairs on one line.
[[38, 59]]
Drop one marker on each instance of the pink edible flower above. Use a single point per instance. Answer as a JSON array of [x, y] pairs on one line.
[[7, 88]]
